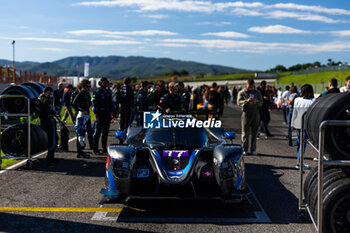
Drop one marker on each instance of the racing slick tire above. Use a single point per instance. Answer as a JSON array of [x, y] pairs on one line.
[[311, 177], [14, 140], [336, 207], [329, 177], [19, 105], [337, 138]]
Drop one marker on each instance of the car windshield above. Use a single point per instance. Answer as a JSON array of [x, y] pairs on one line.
[[176, 137]]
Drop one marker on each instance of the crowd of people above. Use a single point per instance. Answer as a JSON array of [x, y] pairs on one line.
[[127, 102], [256, 104]]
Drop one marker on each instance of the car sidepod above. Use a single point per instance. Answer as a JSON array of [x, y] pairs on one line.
[[229, 170], [118, 170]]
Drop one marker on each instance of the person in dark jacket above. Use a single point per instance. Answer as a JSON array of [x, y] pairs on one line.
[[171, 101], [102, 108], [74, 94], [213, 97], [184, 95], [333, 86], [58, 98], [82, 102], [48, 124], [142, 102], [221, 101], [264, 109], [125, 99], [159, 92], [67, 101]]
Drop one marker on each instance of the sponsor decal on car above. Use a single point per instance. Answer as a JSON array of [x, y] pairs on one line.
[[207, 174], [175, 153], [142, 173]]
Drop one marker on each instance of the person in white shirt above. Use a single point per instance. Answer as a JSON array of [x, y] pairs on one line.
[[346, 88], [285, 96], [301, 105], [279, 97]]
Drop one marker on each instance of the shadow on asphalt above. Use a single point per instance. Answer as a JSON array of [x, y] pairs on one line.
[[76, 167], [186, 211], [16, 223], [282, 157], [280, 204]]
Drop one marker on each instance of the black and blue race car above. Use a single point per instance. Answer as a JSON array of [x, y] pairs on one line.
[[174, 162]]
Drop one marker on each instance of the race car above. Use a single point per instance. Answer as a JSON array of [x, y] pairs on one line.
[[174, 162]]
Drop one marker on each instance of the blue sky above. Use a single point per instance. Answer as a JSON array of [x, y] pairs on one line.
[[243, 34]]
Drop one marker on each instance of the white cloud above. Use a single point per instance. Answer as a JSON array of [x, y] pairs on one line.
[[51, 49], [277, 29], [259, 47], [155, 16], [310, 8], [246, 12], [24, 27], [116, 33], [223, 23], [341, 33], [305, 12], [300, 16], [226, 34]]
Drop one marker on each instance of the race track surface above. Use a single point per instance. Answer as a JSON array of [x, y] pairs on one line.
[[67, 199]]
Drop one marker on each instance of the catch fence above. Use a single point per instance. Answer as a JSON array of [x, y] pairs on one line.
[[6, 77]]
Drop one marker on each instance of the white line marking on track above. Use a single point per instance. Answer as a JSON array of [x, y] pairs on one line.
[[23, 162], [260, 217], [102, 216]]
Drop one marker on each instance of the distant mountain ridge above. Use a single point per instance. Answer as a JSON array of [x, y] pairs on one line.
[[117, 67]]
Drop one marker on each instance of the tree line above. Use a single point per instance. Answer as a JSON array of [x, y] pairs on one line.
[[306, 66]]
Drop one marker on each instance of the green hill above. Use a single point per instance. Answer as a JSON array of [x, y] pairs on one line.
[[118, 67]]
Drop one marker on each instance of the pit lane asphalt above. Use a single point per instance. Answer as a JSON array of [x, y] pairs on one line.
[[76, 183]]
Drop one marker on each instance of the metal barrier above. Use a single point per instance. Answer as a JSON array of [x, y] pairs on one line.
[[322, 161], [29, 161]]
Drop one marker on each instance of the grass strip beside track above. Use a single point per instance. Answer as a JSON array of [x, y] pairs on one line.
[[59, 209], [322, 77]]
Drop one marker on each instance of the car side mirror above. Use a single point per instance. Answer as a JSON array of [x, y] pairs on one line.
[[230, 135], [120, 135]]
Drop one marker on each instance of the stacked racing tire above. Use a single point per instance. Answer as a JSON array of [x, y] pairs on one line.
[[336, 179]]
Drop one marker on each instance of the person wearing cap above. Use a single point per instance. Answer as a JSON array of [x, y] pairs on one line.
[[102, 108], [67, 101], [58, 98]]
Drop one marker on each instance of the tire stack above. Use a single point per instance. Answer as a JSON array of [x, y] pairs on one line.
[[337, 138], [14, 140], [336, 179], [19, 105]]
